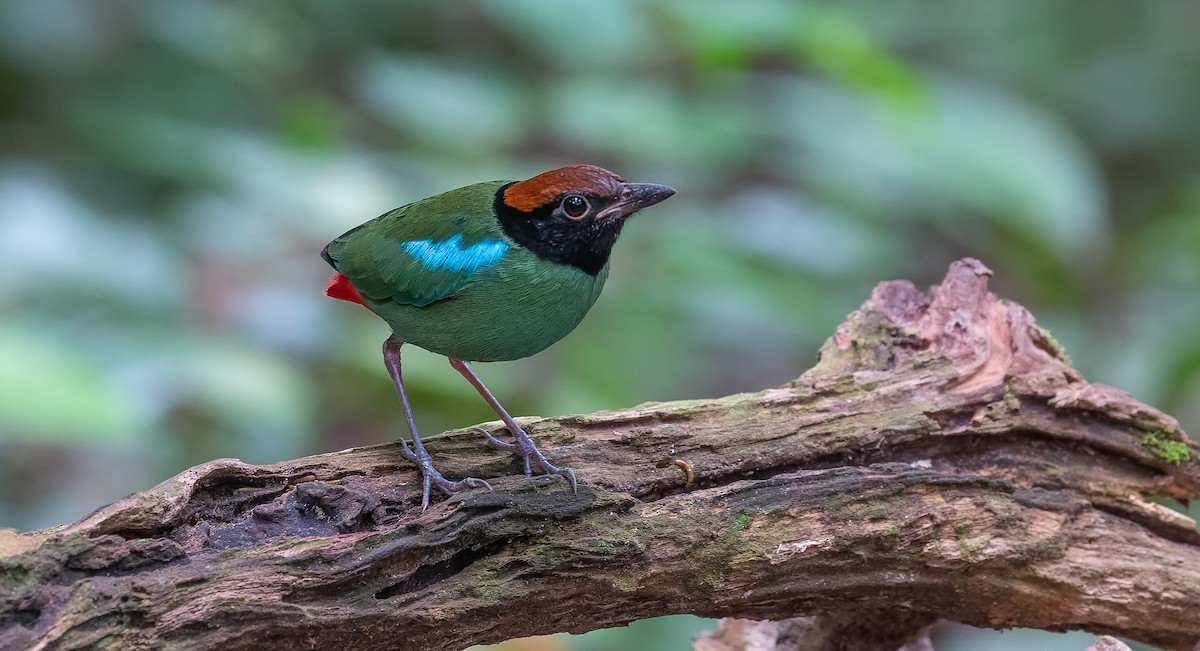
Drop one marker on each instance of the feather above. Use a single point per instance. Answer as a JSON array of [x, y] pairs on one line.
[[340, 287], [450, 254]]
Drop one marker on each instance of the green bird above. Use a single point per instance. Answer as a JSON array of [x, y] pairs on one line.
[[488, 272]]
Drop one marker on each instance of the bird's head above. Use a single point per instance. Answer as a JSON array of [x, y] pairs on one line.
[[573, 215]]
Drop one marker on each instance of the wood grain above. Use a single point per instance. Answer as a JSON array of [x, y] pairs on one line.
[[941, 460]]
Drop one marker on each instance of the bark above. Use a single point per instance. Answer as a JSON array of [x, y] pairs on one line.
[[941, 460]]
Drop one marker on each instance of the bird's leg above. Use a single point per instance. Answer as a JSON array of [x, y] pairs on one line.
[[417, 453], [523, 446]]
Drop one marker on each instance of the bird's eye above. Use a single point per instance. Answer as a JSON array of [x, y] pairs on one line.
[[574, 206]]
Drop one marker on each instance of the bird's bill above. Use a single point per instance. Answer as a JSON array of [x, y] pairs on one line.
[[634, 197]]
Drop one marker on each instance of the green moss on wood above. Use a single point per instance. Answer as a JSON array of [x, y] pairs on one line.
[[1012, 398], [1058, 347], [714, 578], [625, 583], [1164, 444], [968, 548], [16, 577], [1008, 513], [113, 641], [1049, 549]]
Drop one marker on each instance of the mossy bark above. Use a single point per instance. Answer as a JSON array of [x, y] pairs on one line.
[[941, 460]]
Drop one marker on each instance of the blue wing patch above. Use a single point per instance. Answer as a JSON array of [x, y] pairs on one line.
[[450, 254]]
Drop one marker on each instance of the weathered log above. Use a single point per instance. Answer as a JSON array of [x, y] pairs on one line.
[[941, 460]]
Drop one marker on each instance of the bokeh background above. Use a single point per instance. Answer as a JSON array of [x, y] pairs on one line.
[[169, 170]]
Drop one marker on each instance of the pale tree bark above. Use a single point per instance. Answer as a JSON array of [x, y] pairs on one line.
[[941, 461]]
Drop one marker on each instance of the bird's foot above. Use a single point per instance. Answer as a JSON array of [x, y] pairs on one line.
[[524, 447], [432, 478], [495, 443]]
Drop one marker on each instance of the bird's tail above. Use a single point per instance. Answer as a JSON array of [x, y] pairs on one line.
[[339, 287]]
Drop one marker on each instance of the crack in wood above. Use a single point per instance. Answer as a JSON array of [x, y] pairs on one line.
[[427, 575]]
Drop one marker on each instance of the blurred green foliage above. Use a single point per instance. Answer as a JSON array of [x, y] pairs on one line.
[[170, 169]]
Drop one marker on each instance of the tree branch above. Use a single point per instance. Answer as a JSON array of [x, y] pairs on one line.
[[941, 460]]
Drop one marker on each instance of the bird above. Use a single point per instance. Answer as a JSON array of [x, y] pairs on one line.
[[489, 272]]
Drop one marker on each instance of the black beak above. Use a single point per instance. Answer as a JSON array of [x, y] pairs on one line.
[[635, 196]]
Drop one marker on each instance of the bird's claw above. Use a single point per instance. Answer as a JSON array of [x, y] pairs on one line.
[[569, 474], [524, 447], [495, 443], [432, 478]]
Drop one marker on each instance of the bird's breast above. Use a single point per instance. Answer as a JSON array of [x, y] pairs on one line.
[[513, 308]]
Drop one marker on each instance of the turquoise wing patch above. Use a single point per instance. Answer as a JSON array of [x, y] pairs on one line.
[[450, 254], [420, 272]]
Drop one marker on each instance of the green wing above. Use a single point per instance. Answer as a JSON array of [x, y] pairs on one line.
[[425, 251]]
